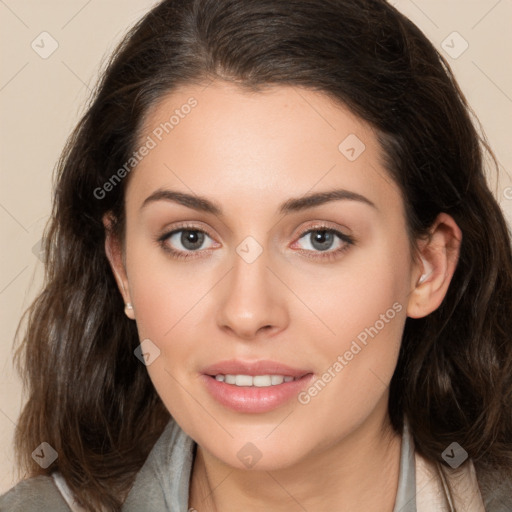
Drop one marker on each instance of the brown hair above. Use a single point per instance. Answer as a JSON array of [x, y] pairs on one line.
[[89, 397]]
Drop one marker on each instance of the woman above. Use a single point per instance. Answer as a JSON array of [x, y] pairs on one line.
[[276, 277]]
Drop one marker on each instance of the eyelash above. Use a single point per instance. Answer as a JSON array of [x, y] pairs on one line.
[[324, 255]]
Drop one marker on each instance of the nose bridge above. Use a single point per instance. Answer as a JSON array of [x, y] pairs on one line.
[[250, 267], [252, 299]]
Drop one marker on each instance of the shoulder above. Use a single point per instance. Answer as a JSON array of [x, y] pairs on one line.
[[163, 479], [496, 490], [33, 495]]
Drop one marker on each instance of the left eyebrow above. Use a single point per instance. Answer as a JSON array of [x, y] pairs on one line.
[[319, 198], [291, 205]]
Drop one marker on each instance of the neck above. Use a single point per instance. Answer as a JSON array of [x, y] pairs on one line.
[[359, 472]]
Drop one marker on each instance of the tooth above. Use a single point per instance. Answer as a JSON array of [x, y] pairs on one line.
[[262, 380], [243, 380], [276, 379], [257, 380]]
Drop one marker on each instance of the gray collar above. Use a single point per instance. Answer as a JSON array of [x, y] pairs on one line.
[[406, 493], [162, 484]]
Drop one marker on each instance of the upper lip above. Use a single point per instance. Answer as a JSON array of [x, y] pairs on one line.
[[263, 367]]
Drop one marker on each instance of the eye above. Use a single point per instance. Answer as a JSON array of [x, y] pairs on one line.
[[321, 239], [183, 242]]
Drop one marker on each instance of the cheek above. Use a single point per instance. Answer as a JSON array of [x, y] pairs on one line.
[[357, 362], [166, 299], [169, 299], [359, 357], [364, 307], [162, 289], [363, 298]]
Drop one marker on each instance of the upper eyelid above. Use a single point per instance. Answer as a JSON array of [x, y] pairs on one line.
[[317, 225]]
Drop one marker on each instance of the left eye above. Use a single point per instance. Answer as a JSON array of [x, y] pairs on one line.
[[323, 239]]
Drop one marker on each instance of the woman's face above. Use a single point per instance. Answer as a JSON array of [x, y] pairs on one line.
[[258, 268]]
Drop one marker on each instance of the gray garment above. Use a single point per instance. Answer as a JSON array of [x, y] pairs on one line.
[[406, 493], [162, 484]]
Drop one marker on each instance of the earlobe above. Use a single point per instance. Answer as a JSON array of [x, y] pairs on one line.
[[438, 257], [128, 311], [114, 254]]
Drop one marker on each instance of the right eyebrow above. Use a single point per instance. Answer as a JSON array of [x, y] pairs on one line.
[[191, 201]]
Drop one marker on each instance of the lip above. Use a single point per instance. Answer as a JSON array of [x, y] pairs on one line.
[[252, 399], [264, 367]]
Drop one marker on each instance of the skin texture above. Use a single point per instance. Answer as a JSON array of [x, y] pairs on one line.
[[249, 153]]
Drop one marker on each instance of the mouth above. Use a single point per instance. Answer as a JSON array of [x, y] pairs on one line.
[[254, 387]]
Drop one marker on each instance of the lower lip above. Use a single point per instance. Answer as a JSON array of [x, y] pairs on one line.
[[252, 399]]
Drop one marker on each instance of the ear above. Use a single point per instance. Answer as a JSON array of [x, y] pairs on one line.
[[114, 251], [438, 260]]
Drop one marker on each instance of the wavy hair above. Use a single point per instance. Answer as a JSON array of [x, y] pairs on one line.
[[89, 397]]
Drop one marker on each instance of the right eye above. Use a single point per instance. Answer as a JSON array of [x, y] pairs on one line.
[[191, 239]]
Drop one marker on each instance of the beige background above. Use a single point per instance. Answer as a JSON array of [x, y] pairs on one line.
[[41, 100]]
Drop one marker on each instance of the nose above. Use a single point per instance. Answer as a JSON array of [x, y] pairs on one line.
[[252, 300]]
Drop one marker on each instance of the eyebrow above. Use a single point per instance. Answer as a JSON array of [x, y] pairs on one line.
[[291, 205]]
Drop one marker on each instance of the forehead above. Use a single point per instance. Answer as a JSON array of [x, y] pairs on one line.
[[256, 148]]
